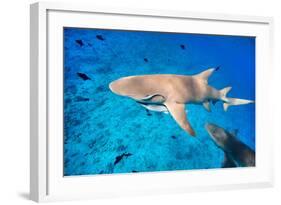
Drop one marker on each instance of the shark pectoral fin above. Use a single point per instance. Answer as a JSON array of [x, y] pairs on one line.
[[206, 105], [178, 113]]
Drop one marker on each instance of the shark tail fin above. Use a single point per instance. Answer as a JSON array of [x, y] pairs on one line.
[[223, 93], [206, 74], [231, 101], [235, 101]]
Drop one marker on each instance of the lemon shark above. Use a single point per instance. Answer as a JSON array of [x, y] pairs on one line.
[[236, 153], [170, 93]]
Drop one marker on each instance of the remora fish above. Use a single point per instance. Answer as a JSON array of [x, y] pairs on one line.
[[170, 93], [237, 154]]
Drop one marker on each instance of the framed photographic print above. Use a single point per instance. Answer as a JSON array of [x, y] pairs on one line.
[[127, 102]]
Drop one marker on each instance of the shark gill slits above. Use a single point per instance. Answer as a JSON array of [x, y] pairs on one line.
[[79, 42], [83, 76], [100, 37]]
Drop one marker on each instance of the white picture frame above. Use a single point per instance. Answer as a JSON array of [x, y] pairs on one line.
[[46, 178]]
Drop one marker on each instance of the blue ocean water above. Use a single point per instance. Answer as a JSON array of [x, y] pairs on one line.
[[105, 133]]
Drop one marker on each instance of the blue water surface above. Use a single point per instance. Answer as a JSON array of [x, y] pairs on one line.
[[105, 133]]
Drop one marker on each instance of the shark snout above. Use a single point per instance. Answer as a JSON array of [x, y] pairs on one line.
[[211, 128], [123, 86], [218, 134], [114, 87], [111, 86]]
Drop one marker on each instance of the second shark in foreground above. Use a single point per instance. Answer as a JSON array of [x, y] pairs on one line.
[[237, 154], [170, 93]]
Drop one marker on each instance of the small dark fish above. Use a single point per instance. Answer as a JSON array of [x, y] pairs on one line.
[[79, 42], [182, 46], [81, 99], [74, 154], [100, 37], [173, 137], [83, 76], [134, 171], [145, 59], [120, 157], [101, 88], [127, 155], [148, 113], [217, 68], [66, 101]]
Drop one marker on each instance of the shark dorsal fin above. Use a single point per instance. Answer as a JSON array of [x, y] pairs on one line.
[[205, 74], [234, 132]]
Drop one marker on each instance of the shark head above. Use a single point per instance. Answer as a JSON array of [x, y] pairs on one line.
[[123, 86], [220, 136]]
